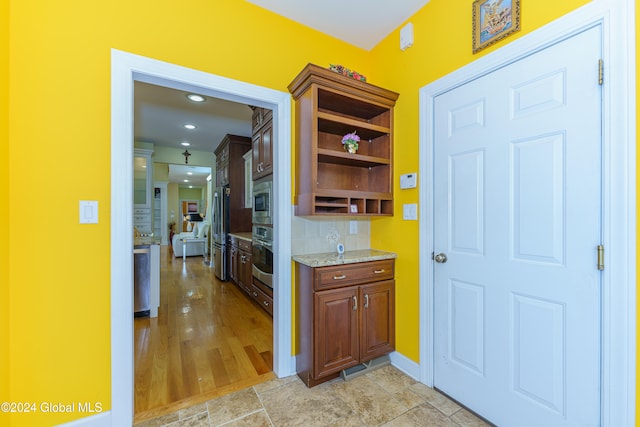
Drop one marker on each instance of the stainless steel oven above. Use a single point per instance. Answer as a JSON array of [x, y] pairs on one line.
[[262, 257], [262, 202]]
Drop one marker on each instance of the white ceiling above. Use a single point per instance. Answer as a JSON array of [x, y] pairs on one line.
[[161, 112], [362, 23]]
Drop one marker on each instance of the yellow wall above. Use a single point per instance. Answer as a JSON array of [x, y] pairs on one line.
[[4, 206], [59, 318], [60, 124], [437, 51]]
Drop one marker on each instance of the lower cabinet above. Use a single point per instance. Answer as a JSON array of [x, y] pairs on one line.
[[345, 316], [241, 273]]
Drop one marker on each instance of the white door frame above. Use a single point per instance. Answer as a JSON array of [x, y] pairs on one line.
[[125, 69], [617, 18]]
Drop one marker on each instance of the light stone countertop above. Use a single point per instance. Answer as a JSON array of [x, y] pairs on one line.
[[349, 257], [244, 235]]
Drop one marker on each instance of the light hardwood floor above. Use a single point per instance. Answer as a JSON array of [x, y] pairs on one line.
[[208, 340]]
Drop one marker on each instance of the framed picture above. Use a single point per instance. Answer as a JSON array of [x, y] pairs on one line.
[[354, 208], [494, 20]]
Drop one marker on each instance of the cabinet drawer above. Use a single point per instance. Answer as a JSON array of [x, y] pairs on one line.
[[352, 274], [263, 299], [244, 245]]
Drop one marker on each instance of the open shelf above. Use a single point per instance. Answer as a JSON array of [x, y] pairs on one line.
[[329, 180]]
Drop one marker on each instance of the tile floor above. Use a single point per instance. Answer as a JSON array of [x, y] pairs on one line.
[[383, 397]]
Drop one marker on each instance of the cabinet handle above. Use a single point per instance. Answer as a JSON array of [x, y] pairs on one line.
[[366, 300], [355, 303], [342, 276], [255, 294], [378, 271], [266, 303]]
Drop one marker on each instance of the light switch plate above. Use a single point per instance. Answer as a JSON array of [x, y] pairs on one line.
[[88, 212], [410, 211]]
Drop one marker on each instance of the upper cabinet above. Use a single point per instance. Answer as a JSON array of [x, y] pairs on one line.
[[329, 179], [142, 177], [262, 125], [230, 172]]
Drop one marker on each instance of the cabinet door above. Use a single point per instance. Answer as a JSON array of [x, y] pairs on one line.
[[263, 151], [267, 149], [335, 343], [233, 268], [377, 319], [244, 269]]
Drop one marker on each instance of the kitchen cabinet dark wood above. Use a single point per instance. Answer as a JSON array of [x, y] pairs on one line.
[[330, 180], [345, 316], [230, 171], [262, 142], [241, 272]]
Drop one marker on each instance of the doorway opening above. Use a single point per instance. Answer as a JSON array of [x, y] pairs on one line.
[[126, 69]]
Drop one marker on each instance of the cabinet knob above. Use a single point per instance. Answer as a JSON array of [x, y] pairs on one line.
[[266, 303], [255, 294]]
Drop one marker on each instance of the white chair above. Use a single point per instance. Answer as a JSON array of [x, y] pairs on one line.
[[192, 243]]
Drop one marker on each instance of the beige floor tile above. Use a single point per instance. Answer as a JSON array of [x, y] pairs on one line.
[[297, 405], [390, 379], [233, 406], [423, 415], [276, 382], [199, 420], [159, 421], [192, 410], [256, 419], [465, 418], [374, 404], [436, 399]]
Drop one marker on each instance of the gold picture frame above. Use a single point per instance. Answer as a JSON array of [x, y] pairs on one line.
[[493, 20]]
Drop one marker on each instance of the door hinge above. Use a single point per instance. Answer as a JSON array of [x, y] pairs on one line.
[[600, 72], [600, 257]]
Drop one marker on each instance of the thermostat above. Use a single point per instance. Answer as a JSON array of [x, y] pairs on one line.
[[408, 180]]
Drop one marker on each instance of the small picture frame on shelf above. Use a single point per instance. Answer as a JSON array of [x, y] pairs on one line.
[[353, 209]]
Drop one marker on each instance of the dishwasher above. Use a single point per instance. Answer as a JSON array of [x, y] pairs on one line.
[[141, 280]]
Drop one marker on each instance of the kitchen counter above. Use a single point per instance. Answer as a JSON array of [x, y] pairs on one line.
[[244, 235], [349, 257]]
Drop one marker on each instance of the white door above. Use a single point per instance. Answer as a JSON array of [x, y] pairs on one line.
[[517, 213]]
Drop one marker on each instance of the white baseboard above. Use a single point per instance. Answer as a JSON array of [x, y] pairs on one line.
[[406, 365], [99, 420]]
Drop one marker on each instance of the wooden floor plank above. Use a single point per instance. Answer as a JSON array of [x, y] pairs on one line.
[[208, 339]]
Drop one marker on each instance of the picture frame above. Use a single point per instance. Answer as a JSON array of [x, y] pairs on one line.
[[493, 20], [354, 208]]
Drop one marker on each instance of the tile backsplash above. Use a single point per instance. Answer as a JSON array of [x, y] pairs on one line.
[[310, 236]]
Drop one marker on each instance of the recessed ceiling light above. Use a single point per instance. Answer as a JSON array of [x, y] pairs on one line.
[[190, 126], [196, 98], [186, 180], [185, 144], [189, 173]]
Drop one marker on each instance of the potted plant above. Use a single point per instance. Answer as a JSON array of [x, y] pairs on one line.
[[350, 142]]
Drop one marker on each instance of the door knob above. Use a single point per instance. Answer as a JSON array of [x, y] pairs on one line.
[[441, 258]]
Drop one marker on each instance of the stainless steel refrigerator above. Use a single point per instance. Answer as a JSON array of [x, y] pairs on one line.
[[220, 224]]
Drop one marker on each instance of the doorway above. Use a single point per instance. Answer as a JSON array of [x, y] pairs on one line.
[[616, 352], [127, 68]]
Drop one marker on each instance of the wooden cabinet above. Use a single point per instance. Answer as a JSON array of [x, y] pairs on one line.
[[345, 316], [230, 171], [241, 273], [262, 142], [329, 180]]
